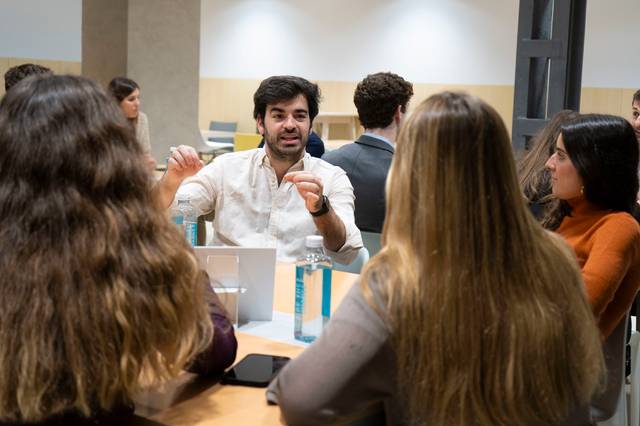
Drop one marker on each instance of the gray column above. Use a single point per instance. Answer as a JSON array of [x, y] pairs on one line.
[[157, 44]]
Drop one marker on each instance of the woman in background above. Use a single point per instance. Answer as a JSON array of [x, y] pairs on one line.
[[127, 93], [594, 172], [471, 314], [534, 176], [98, 291], [635, 113]]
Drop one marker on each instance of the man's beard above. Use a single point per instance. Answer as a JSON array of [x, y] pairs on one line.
[[285, 154]]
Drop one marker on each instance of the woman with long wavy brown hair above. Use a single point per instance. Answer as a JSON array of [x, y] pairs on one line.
[[98, 291], [471, 314]]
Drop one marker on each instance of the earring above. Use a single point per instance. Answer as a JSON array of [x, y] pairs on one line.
[[582, 190]]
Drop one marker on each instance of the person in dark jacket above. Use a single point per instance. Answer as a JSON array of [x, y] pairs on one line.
[[381, 100]]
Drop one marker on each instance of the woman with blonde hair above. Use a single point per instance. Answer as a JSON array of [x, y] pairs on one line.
[[471, 314], [98, 290]]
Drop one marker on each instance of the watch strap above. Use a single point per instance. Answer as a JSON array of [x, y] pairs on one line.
[[324, 209]]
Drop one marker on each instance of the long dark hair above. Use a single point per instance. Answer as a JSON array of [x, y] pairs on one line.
[[604, 151], [97, 288], [121, 87]]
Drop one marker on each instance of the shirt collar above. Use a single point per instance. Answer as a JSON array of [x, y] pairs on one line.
[[382, 138], [302, 164]]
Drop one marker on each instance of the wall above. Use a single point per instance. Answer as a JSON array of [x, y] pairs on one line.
[[104, 39], [43, 29], [458, 44], [430, 41], [435, 44], [611, 56]]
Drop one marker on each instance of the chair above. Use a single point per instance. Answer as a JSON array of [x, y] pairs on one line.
[[224, 126], [610, 408], [355, 266], [634, 394], [218, 139], [371, 241], [246, 141]]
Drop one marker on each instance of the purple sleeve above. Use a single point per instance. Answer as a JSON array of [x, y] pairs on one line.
[[221, 352]]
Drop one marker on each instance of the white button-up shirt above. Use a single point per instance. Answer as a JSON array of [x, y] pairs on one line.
[[252, 210]]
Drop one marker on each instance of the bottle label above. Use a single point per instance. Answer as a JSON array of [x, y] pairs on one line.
[[326, 294], [191, 232], [299, 298]]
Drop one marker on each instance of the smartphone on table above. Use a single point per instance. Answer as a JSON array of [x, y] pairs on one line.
[[255, 370]]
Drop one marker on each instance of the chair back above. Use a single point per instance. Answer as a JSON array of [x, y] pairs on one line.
[[224, 126], [246, 141], [610, 406], [634, 395], [371, 241], [356, 266]]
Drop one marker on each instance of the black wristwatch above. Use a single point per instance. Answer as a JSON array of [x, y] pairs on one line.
[[324, 209]]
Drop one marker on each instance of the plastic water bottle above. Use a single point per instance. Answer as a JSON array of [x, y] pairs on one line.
[[313, 291], [184, 215]]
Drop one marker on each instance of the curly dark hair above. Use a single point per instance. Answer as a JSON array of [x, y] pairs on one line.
[[19, 72], [97, 287], [282, 88], [378, 96], [636, 97]]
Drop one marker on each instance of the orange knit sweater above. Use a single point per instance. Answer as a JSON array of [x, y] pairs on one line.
[[607, 245]]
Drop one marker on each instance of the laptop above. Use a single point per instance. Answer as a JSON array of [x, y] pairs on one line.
[[252, 269]]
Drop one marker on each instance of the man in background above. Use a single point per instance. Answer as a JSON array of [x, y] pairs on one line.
[[19, 72], [381, 100]]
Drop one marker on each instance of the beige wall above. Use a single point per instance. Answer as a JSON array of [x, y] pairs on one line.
[[232, 100]]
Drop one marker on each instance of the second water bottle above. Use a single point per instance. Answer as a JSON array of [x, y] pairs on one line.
[[313, 291]]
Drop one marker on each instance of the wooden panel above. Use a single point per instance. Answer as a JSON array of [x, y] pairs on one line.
[[58, 67], [227, 100], [500, 97], [604, 101], [68, 67], [232, 100], [4, 66], [337, 96]]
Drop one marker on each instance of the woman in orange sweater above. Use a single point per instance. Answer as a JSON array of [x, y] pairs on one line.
[[594, 174]]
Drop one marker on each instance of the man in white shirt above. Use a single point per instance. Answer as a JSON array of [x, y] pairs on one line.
[[275, 196]]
